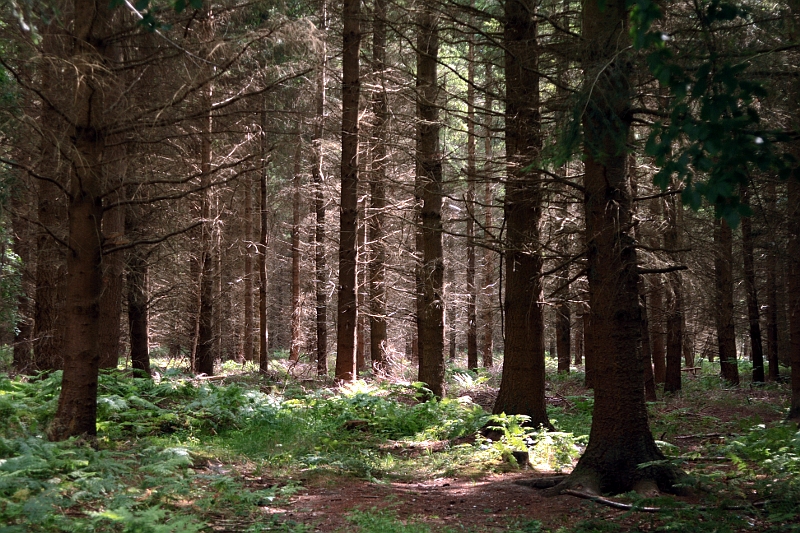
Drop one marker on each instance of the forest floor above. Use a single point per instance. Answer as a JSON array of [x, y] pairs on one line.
[[244, 453], [497, 499]]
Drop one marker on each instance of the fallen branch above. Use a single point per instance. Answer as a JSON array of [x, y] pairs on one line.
[[700, 436]]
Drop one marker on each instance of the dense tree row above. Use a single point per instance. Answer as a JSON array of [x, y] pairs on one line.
[[450, 177]]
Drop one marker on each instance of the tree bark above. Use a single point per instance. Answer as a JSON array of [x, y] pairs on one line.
[[753, 313], [249, 327], [429, 170], [523, 381], [348, 213], [489, 277], [620, 438], [772, 291], [657, 328], [563, 336], [294, 349], [320, 266], [377, 263], [674, 307], [76, 413], [794, 286], [472, 294], [263, 243], [723, 277], [113, 271], [138, 312]]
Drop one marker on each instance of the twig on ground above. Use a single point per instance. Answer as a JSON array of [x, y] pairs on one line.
[[632, 507]]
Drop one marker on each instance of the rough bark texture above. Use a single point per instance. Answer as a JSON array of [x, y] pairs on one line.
[[348, 214], [753, 314], [429, 170], [76, 413], [523, 380], [320, 267], [649, 379], [723, 279], [620, 438], [377, 261]]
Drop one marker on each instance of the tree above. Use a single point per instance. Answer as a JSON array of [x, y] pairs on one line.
[[348, 212], [523, 381], [620, 439], [429, 172], [723, 279]]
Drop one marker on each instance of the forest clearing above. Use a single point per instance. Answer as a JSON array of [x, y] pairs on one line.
[[247, 454]]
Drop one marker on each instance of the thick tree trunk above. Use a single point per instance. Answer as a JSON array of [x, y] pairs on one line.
[[320, 266], [723, 277], [753, 313], [563, 336], [429, 170], [294, 349], [523, 380], [347, 312], [76, 413], [377, 263], [620, 438]]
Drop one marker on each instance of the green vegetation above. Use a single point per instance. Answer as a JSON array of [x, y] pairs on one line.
[[178, 454]]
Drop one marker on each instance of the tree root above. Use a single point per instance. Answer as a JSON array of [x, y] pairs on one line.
[[541, 482], [645, 509]]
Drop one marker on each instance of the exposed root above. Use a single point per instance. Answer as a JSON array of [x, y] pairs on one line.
[[541, 482], [645, 509]]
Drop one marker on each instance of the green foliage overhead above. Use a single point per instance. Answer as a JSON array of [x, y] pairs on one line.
[[713, 138]]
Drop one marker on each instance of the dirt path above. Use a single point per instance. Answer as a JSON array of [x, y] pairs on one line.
[[492, 503]]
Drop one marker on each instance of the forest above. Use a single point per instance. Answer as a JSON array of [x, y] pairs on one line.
[[399, 265]]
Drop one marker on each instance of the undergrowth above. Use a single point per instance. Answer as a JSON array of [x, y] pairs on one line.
[[177, 454]]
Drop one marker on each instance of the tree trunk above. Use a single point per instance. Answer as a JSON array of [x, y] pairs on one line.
[[487, 292], [377, 264], [263, 332], [113, 270], [723, 277], [647, 358], [657, 328], [137, 312], [249, 328], [523, 380], [320, 266], [794, 289], [76, 413], [294, 349], [348, 214], [753, 313], [563, 336], [674, 307], [472, 294], [23, 234], [429, 170], [620, 438], [578, 329], [772, 291]]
